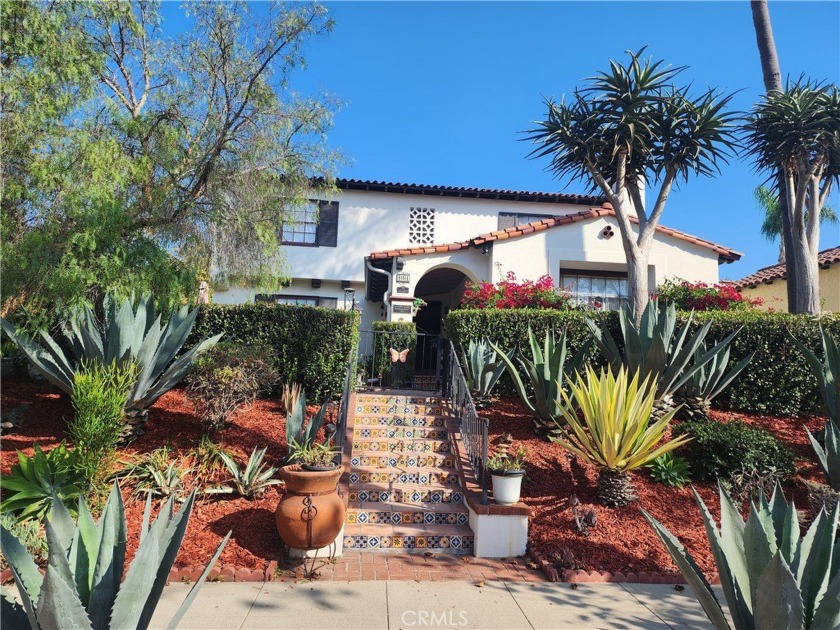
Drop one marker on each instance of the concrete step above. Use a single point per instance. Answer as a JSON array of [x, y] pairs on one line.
[[405, 495]]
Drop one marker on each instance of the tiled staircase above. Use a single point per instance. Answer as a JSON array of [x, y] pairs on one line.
[[404, 491]]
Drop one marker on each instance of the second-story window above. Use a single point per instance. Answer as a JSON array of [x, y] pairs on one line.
[[514, 219], [301, 228], [421, 226]]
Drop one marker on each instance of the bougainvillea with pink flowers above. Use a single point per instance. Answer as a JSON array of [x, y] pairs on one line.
[[700, 296], [514, 293]]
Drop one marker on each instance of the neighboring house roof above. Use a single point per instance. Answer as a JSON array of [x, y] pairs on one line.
[[459, 191], [725, 254], [825, 259]]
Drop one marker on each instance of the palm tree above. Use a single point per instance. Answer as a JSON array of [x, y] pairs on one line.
[[771, 227], [798, 132], [773, 83], [628, 128]]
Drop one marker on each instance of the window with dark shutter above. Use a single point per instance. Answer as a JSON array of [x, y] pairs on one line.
[[328, 224]]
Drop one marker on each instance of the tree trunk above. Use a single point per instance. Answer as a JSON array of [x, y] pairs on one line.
[[807, 299], [637, 282], [773, 83], [782, 254]]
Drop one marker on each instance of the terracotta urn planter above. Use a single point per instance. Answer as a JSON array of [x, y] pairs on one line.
[[310, 515]]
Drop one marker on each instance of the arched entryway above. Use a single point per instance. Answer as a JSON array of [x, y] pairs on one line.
[[442, 289]]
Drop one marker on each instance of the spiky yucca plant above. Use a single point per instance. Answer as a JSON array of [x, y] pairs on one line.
[[253, 480], [482, 370], [708, 382], [124, 334], [83, 586], [297, 429], [547, 372], [657, 349], [771, 577], [616, 434]]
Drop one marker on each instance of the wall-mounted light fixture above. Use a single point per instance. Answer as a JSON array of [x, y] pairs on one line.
[[349, 299], [316, 284], [400, 263], [345, 284], [485, 251]]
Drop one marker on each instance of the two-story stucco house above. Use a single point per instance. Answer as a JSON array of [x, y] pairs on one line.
[[376, 246]]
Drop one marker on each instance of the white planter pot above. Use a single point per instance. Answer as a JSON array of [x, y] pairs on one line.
[[507, 487]]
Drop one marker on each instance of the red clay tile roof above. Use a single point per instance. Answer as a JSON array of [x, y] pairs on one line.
[[458, 191], [767, 274], [726, 254]]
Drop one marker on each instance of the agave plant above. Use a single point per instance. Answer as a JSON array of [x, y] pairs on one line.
[[827, 372], [656, 348], [33, 483], [125, 333], [547, 371], [828, 454], [297, 428], [482, 370], [616, 434], [82, 586], [708, 382], [771, 577], [157, 474], [251, 481]]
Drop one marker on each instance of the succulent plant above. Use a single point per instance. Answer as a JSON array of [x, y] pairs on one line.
[[609, 426], [125, 333], [771, 577], [708, 382], [254, 478], [827, 372], [828, 454], [481, 369], [82, 586], [29, 489], [297, 428], [657, 348], [312, 454], [547, 372]]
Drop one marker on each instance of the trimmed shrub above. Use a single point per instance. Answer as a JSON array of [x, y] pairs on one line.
[[777, 381], [725, 449], [228, 377], [310, 344], [514, 293]]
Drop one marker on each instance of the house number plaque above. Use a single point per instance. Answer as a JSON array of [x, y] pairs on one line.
[[403, 277], [402, 308]]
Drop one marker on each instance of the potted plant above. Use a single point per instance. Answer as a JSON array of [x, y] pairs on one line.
[[311, 513], [506, 470]]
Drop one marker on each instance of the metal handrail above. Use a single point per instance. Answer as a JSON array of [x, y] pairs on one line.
[[474, 429]]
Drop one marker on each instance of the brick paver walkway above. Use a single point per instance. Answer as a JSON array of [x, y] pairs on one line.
[[419, 567]]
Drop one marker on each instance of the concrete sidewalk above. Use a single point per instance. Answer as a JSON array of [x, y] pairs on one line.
[[423, 605]]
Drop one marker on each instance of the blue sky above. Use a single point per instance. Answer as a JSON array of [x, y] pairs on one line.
[[439, 92]]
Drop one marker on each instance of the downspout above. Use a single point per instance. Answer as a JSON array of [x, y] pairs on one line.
[[387, 296]]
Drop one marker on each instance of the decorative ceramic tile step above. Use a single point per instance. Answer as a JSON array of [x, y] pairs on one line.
[[400, 445], [402, 461], [423, 478], [371, 399], [399, 421], [421, 543], [365, 432], [364, 408], [403, 514], [412, 495]]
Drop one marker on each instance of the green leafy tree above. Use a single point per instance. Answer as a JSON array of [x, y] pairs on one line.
[[632, 127], [155, 159]]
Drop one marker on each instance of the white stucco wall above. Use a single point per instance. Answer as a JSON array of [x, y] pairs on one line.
[[581, 246]]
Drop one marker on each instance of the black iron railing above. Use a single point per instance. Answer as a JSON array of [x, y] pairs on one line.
[[344, 403], [474, 429], [401, 359]]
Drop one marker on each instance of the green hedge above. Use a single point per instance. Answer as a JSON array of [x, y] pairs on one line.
[[311, 345], [777, 381]]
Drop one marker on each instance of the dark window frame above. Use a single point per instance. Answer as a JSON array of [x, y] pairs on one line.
[[316, 209], [596, 273]]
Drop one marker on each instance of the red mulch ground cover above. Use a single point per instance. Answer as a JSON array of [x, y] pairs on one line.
[[172, 422], [623, 541]]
